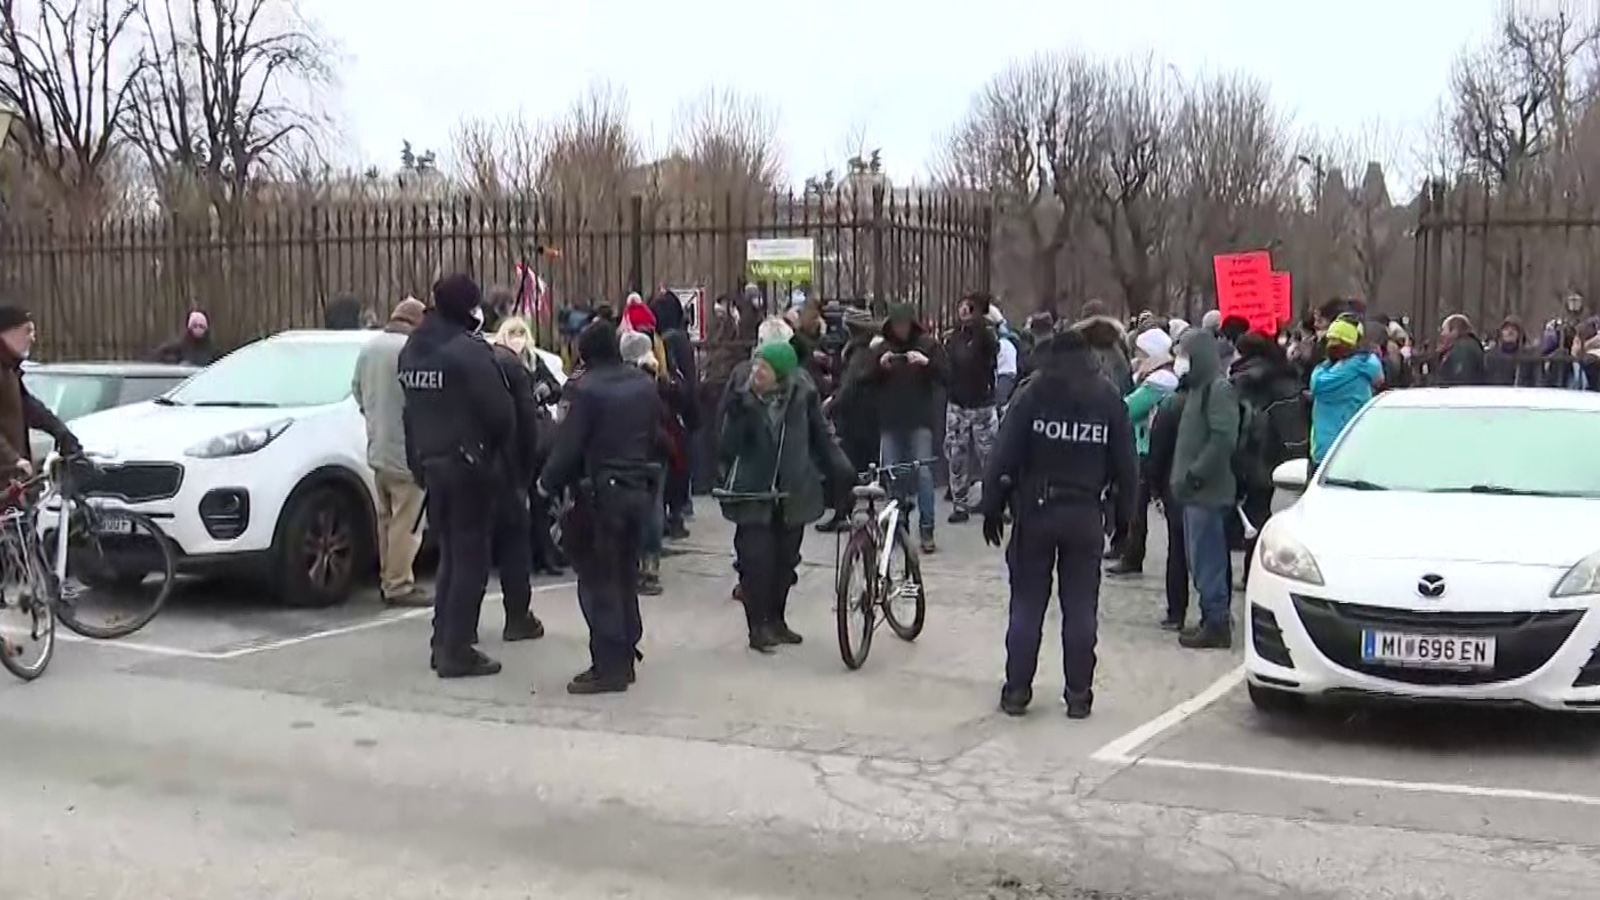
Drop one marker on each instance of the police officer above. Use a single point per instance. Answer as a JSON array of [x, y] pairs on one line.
[[459, 422], [513, 538], [1066, 442], [605, 454]]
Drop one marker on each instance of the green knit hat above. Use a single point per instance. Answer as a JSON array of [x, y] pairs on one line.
[[780, 356]]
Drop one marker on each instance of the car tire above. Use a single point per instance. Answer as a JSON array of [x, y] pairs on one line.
[[320, 552], [1275, 702]]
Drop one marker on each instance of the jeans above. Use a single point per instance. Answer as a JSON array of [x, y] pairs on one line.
[[1205, 539], [903, 448]]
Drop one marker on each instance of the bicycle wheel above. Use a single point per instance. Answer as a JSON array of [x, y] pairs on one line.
[[27, 650], [852, 605], [905, 603], [120, 572]]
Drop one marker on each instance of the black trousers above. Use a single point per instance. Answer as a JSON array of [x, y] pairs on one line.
[[608, 598], [766, 555], [457, 498], [542, 549], [1177, 574], [512, 553], [1058, 541], [1139, 528]]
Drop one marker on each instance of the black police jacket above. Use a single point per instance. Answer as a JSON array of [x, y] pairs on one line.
[[524, 445], [1066, 438], [458, 406], [613, 421]]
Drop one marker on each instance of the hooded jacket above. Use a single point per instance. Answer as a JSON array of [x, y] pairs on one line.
[[188, 350], [1208, 429], [1503, 365], [1108, 346], [905, 391], [1268, 385], [1339, 388]]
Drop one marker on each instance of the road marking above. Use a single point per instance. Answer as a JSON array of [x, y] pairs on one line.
[[282, 643], [1122, 750], [1350, 781]]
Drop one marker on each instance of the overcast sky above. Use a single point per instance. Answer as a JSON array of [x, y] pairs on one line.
[[901, 71]]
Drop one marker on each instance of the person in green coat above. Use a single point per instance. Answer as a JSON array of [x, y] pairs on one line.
[[777, 459], [1202, 482]]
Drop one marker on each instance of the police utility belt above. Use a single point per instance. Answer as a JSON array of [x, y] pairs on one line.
[[1053, 493]]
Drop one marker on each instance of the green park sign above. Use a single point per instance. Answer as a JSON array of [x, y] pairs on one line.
[[789, 260]]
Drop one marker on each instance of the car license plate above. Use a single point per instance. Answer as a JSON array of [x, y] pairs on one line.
[[1427, 651], [112, 523]]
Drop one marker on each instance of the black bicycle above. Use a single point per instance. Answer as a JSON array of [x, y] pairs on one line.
[[67, 555], [880, 538]]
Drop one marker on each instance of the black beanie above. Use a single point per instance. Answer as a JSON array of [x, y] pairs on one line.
[[455, 297], [12, 316]]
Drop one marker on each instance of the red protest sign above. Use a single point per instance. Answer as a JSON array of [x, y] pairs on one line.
[[1283, 295], [1244, 289]]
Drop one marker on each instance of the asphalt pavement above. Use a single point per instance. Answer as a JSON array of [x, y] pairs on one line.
[[236, 749]]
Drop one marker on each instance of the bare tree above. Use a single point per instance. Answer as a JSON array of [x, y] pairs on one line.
[[67, 71], [729, 141], [226, 90], [497, 158], [1030, 139]]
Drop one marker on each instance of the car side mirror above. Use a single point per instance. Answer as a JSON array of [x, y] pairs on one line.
[[1292, 475]]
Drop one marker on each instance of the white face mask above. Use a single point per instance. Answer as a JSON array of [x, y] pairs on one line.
[[517, 343], [1180, 366], [477, 318]]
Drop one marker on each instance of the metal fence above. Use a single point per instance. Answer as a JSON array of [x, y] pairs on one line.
[[1492, 252], [119, 290]]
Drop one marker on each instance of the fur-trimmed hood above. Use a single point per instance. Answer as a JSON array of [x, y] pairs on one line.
[[1102, 332]]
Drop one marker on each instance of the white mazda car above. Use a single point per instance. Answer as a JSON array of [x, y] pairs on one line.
[[1445, 551], [256, 465]]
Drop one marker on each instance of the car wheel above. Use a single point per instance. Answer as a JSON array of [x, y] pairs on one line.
[[1274, 702], [319, 553]]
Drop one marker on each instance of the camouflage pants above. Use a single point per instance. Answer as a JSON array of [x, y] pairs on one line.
[[968, 440]]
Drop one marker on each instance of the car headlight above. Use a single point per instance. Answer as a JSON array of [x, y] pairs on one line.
[[241, 442], [1286, 557], [1581, 579]]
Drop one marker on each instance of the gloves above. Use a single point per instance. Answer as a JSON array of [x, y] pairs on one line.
[[994, 529]]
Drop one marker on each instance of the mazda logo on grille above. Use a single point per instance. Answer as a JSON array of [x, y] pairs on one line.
[[1431, 586]]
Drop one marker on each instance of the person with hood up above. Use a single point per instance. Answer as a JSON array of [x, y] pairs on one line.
[[776, 457], [637, 351], [1340, 385], [853, 408], [1278, 426], [970, 420], [1108, 346], [1202, 482], [342, 313], [460, 424], [1505, 364], [910, 369], [192, 348], [1155, 382], [1461, 356], [682, 371], [398, 496]]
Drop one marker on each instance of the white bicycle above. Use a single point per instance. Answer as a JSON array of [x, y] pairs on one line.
[[881, 553]]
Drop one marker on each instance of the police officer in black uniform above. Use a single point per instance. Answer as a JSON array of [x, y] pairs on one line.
[[459, 424], [605, 454], [513, 538], [1064, 445]]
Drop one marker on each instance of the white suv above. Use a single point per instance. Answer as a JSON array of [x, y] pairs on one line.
[[256, 465]]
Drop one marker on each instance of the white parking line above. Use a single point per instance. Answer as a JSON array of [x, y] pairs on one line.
[[1349, 781], [282, 643], [1122, 750]]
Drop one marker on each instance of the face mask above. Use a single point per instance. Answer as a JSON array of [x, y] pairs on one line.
[[517, 344], [1180, 366], [477, 319]]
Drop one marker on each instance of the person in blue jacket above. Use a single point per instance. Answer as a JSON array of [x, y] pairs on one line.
[[1340, 385]]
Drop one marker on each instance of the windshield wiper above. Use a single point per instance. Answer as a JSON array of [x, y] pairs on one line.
[[236, 404], [165, 401], [1501, 490], [1354, 484]]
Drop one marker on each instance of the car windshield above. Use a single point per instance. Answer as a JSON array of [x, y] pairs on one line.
[[71, 396], [272, 374], [1515, 451]]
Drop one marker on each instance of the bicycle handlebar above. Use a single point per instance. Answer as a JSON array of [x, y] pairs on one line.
[[875, 471]]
